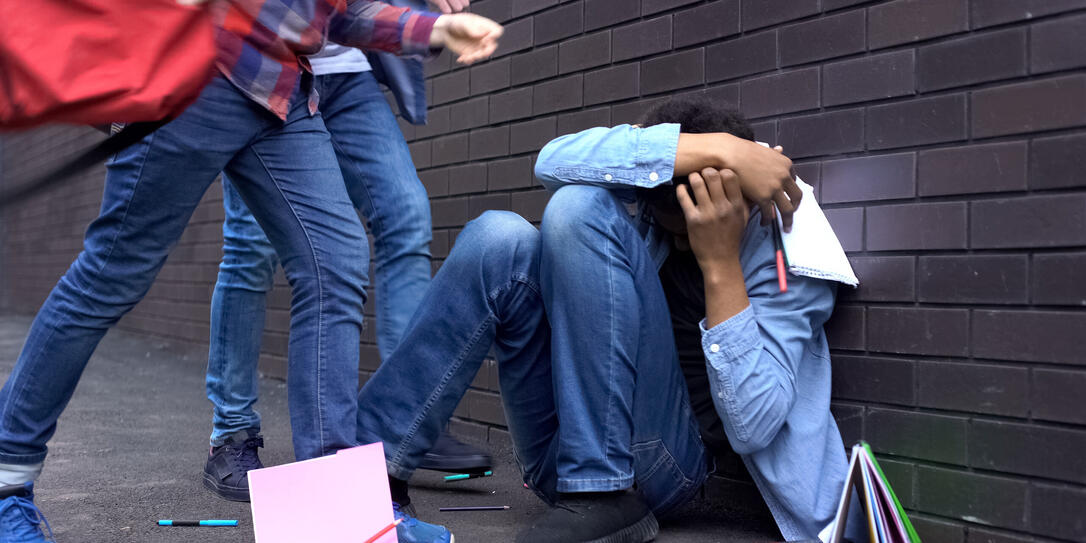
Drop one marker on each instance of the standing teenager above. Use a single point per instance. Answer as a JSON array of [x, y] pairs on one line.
[[257, 121], [382, 184]]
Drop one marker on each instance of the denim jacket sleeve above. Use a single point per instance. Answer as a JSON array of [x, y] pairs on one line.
[[622, 158], [752, 358]]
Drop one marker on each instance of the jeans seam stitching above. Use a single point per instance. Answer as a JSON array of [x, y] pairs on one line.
[[608, 246], [439, 390], [320, 297], [128, 204]]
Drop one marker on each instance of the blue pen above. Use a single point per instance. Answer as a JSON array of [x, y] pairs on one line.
[[197, 523]]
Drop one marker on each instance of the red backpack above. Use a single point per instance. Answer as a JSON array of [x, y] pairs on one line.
[[101, 61]]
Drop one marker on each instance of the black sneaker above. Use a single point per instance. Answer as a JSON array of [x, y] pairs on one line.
[[452, 455], [227, 468], [605, 517]]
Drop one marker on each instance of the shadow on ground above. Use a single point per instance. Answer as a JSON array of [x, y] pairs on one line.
[[130, 448]]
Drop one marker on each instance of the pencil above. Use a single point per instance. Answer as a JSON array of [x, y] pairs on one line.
[[384, 531], [778, 248], [476, 508], [197, 523], [462, 476]]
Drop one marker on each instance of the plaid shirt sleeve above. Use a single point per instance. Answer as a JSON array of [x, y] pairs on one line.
[[378, 26]]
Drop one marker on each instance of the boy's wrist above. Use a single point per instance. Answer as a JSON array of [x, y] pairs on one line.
[[720, 269], [724, 148], [438, 32]]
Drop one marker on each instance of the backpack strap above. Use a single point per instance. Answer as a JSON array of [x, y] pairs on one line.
[[119, 141]]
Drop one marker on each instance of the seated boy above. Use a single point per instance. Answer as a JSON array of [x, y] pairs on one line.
[[593, 316]]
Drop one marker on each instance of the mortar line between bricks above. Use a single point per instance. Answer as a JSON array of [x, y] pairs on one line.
[[960, 306], [967, 528], [984, 472], [1071, 368], [820, 110], [970, 415]]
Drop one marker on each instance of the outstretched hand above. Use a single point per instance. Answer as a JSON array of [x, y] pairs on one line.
[[471, 37]]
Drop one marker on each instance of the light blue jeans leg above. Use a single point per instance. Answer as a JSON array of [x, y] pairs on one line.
[[384, 186], [238, 308], [623, 411], [485, 294]]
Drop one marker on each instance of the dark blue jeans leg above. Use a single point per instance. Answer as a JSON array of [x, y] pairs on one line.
[[290, 180], [151, 190], [384, 186]]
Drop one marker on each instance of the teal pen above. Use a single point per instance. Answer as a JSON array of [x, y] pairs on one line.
[[197, 523], [463, 476]]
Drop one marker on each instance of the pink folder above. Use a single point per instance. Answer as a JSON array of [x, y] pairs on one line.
[[334, 499]]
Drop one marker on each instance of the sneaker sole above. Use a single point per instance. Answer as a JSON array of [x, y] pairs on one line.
[[225, 492], [468, 465], [642, 531]]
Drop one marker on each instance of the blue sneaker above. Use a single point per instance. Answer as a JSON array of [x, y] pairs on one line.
[[20, 519], [413, 530]]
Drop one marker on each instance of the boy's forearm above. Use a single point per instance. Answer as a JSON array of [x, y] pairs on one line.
[[698, 151], [725, 293]]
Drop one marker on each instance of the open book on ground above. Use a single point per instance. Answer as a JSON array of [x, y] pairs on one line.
[[885, 518]]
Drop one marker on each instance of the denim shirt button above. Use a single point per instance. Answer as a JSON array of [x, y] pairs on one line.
[[715, 348], [608, 177], [654, 176]]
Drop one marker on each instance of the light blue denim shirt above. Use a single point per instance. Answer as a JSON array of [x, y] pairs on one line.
[[769, 365]]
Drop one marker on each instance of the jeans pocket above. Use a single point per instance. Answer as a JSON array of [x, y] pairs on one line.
[[666, 483]]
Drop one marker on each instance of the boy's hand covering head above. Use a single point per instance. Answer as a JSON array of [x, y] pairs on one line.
[[471, 37], [716, 216], [764, 174]]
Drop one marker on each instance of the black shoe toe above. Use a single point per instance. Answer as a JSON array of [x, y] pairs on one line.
[[452, 455]]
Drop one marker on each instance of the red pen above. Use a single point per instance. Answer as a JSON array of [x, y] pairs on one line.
[[778, 248], [384, 531]]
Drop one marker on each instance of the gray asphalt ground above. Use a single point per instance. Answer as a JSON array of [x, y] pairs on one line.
[[130, 448]]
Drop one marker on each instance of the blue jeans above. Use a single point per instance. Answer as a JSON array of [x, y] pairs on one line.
[[588, 370], [381, 182], [288, 175]]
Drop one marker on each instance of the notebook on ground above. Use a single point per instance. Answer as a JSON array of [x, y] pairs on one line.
[[333, 499], [885, 517]]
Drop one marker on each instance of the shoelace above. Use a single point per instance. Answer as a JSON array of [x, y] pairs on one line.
[[27, 508], [246, 453]]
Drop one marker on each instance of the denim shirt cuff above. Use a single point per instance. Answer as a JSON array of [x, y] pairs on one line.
[[731, 338], [656, 150]]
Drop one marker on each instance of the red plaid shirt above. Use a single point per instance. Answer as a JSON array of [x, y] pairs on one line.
[[261, 43]]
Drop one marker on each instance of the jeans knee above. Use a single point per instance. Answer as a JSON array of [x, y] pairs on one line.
[[574, 211], [501, 229], [251, 267], [408, 223], [334, 276]]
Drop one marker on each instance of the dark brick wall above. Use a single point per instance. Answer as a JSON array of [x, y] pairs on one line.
[[945, 139]]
